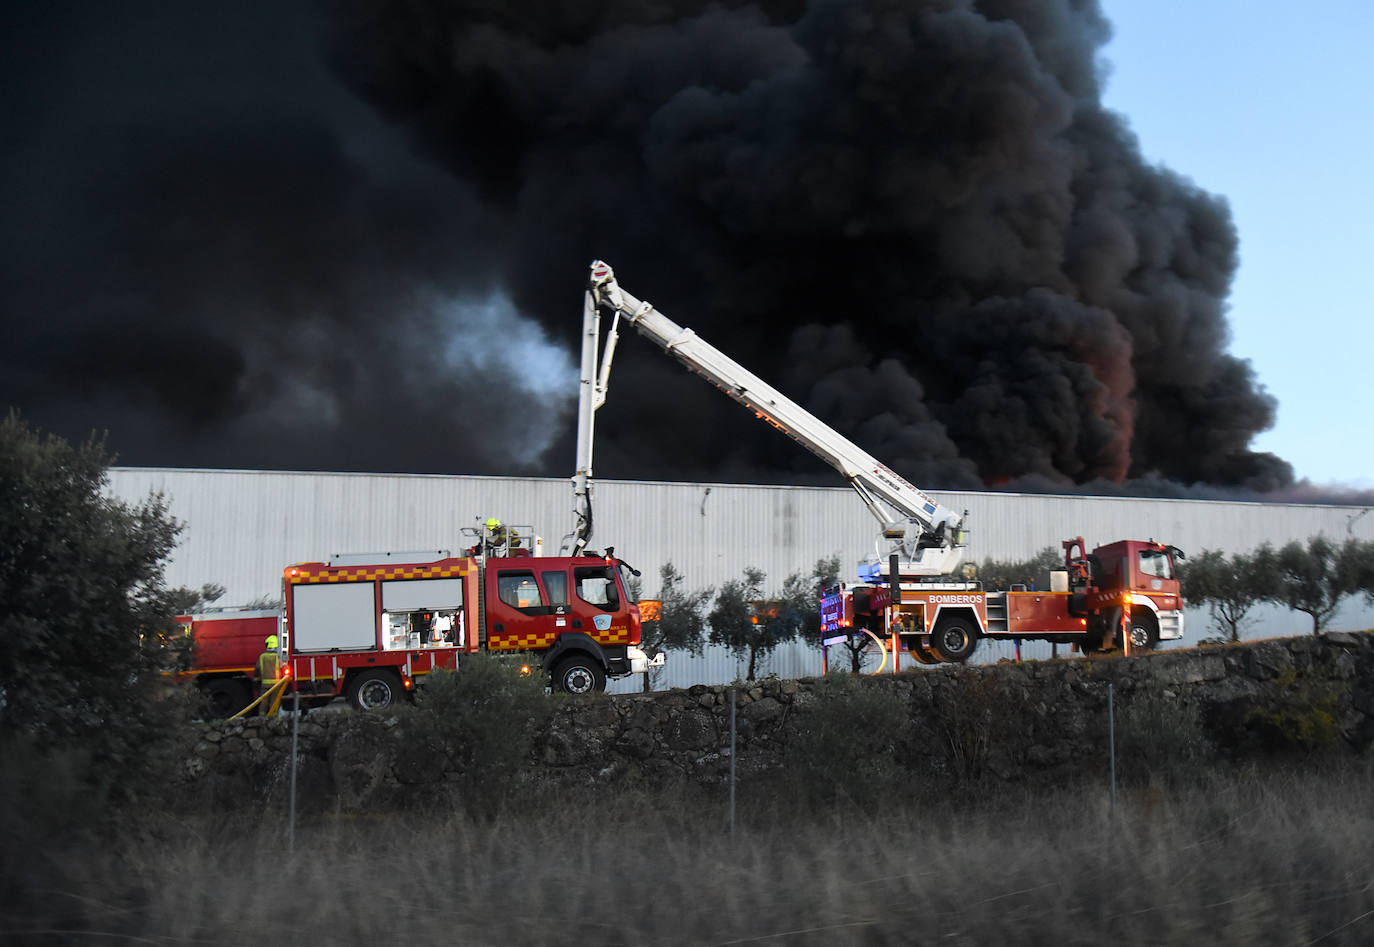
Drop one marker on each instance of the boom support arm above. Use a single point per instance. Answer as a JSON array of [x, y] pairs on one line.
[[596, 370], [928, 536]]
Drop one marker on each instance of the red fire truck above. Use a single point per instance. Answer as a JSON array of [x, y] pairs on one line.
[[1122, 594], [224, 656], [367, 626]]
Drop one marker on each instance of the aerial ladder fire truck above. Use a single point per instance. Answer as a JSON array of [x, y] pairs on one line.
[[1124, 594]]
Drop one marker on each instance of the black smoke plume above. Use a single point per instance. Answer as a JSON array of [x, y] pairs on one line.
[[214, 252], [914, 217]]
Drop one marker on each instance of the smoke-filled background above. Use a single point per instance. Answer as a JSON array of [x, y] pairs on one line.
[[354, 236]]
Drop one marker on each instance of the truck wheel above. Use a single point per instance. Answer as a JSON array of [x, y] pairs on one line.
[[920, 650], [1144, 631], [954, 640], [579, 674], [374, 690], [224, 698]]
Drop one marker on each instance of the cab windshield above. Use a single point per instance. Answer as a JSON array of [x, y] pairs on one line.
[[626, 580], [1155, 562], [595, 585]]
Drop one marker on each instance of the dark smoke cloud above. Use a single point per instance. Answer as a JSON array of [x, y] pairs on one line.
[[1010, 289], [915, 217], [215, 253]]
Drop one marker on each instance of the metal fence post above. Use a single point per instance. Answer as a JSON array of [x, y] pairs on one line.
[[295, 760], [1111, 740], [732, 761]]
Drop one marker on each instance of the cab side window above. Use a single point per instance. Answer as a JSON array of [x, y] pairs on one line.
[[556, 585], [519, 590], [596, 586]]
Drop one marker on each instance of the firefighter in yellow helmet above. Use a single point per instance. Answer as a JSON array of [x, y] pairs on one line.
[[496, 535], [269, 666]]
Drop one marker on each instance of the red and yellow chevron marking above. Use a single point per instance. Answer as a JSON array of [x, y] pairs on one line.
[[313, 574], [513, 642], [509, 641]]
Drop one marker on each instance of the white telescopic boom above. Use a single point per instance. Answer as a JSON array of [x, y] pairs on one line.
[[591, 395], [927, 536]]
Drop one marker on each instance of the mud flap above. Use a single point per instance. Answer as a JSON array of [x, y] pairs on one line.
[[1114, 635]]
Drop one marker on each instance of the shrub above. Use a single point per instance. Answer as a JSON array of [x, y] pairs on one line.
[[982, 722], [478, 724], [1303, 719]]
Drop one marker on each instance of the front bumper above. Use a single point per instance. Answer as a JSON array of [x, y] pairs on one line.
[[634, 662]]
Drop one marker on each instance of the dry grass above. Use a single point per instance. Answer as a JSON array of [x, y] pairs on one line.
[[1283, 859]]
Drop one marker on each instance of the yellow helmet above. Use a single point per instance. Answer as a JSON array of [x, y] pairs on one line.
[[493, 523], [271, 641]]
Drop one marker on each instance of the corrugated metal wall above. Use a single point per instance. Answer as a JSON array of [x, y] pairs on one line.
[[244, 526]]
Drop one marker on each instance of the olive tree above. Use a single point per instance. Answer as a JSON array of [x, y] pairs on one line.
[[680, 622], [1229, 585], [742, 621], [800, 604], [1316, 577]]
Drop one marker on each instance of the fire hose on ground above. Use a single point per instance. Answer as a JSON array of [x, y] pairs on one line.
[[274, 693]]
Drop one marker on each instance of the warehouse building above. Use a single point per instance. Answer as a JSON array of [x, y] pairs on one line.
[[243, 526]]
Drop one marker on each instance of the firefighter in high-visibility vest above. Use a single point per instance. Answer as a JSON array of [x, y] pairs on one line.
[[501, 538], [496, 533], [269, 665]]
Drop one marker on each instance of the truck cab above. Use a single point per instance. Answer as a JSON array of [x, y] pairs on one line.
[[577, 611], [1148, 574]]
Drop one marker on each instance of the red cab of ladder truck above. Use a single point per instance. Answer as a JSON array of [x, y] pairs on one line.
[[1124, 594]]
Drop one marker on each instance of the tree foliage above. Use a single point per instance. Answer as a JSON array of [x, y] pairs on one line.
[[1229, 585], [83, 606], [1033, 573], [681, 625], [749, 626], [184, 601], [1316, 577]]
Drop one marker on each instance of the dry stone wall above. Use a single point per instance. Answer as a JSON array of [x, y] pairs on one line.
[[1008, 723]]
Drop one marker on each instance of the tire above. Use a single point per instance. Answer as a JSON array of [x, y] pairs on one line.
[[579, 674], [224, 697], [954, 640], [1144, 631], [920, 650], [374, 690]]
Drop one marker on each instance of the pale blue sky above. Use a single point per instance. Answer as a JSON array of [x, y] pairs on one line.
[[1269, 104]]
